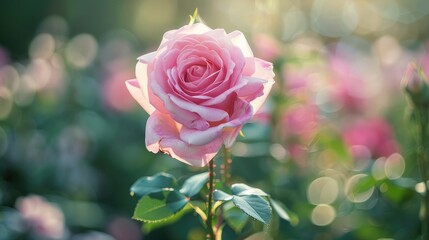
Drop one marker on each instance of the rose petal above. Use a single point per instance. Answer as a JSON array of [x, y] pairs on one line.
[[196, 28], [162, 134], [253, 88], [257, 103], [136, 92], [147, 58], [207, 113], [230, 135], [179, 114], [142, 78], [242, 113], [258, 68], [239, 40], [221, 97]]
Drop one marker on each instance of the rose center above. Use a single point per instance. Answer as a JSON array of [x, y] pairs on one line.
[[195, 73]]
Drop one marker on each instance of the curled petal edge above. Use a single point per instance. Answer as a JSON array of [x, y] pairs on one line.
[[135, 91], [162, 134]]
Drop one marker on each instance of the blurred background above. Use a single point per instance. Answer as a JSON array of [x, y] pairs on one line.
[[333, 143]]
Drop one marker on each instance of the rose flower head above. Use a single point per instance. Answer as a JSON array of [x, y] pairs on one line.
[[42, 217], [199, 88]]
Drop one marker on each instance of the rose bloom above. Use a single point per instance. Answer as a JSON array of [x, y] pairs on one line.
[[44, 218], [373, 136], [300, 121], [199, 88]]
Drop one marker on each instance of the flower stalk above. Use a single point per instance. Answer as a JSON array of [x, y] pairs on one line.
[[415, 85], [209, 221], [422, 118], [226, 166]]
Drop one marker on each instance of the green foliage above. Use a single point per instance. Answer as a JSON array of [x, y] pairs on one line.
[[219, 195], [242, 189], [234, 217], [194, 184], [159, 206], [161, 199], [150, 226], [156, 183], [252, 201], [255, 206]]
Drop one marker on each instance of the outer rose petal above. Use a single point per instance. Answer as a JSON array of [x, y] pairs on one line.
[[162, 133], [230, 135], [142, 78], [239, 40], [147, 58], [242, 113], [136, 92], [196, 28], [258, 68]]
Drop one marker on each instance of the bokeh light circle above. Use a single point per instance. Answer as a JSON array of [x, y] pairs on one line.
[[323, 190], [323, 215]]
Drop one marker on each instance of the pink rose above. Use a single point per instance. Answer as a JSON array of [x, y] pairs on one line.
[[301, 121], [373, 135], [199, 88], [43, 217]]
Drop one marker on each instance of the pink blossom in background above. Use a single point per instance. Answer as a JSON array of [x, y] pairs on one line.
[[302, 81], [372, 136], [115, 93], [412, 80], [296, 81], [42, 217], [199, 88], [300, 121], [266, 46], [348, 85], [122, 228]]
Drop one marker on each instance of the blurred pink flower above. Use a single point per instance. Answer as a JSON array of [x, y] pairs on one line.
[[122, 228], [412, 79], [348, 85], [300, 121], [114, 92], [199, 88], [42, 217], [266, 46], [374, 136], [296, 81]]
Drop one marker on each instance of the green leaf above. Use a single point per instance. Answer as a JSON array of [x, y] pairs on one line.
[[219, 195], [242, 189], [156, 183], [159, 206], [150, 226], [255, 206], [193, 185], [278, 207], [234, 217]]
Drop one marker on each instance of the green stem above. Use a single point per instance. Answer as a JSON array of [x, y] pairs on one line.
[[423, 169], [226, 169], [210, 234]]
